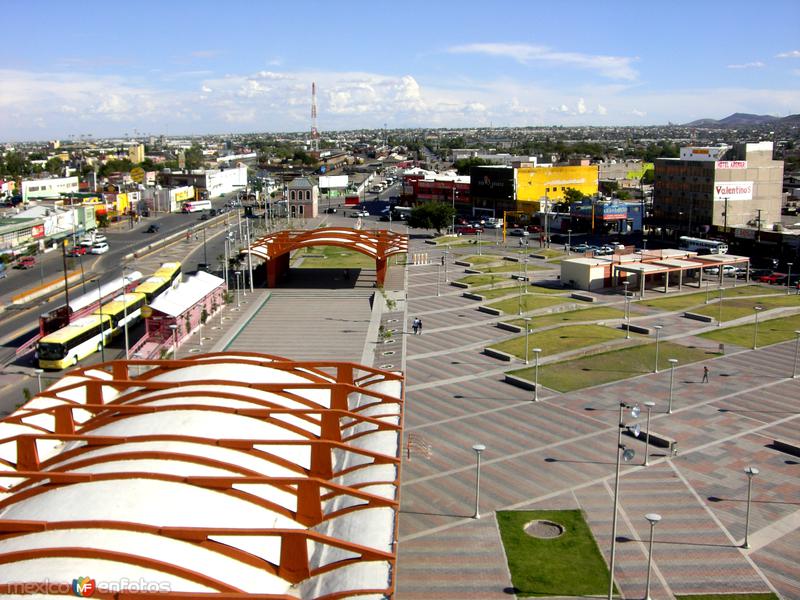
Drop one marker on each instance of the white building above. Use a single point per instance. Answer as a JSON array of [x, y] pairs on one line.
[[48, 188], [217, 182]]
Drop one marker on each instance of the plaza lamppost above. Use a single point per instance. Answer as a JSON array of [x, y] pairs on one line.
[[757, 309], [438, 276], [627, 455], [750, 472], [658, 329], [238, 287], [39, 378], [478, 448], [789, 279], [174, 328], [536, 352], [527, 330], [525, 260], [649, 404], [719, 307], [672, 363], [796, 352], [653, 518], [569, 242], [627, 312], [479, 242]]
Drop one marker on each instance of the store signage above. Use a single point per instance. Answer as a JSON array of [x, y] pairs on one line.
[[733, 190], [731, 164]]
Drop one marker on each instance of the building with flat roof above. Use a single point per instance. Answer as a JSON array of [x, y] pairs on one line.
[[48, 188], [717, 188]]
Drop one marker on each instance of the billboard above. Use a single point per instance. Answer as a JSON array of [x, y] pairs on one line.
[[534, 183], [333, 181], [496, 183], [733, 190]]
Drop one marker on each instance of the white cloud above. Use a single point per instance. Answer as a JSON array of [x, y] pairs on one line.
[[601, 110], [613, 67], [789, 54], [750, 65], [581, 107], [638, 113]]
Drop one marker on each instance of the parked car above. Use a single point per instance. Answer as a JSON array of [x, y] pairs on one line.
[[330, 210], [772, 278], [77, 250], [99, 237], [361, 213], [467, 230], [154, 228], [100, 248], [534, 229], [25, 262], [727, 270], [580, 248], [517, 232]]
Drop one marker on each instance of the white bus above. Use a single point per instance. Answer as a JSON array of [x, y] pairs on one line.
[[702, 246], [196, 206]]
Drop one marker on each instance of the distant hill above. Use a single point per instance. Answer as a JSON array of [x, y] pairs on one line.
[[745, 120]]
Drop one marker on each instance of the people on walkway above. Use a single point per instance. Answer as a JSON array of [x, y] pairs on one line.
[[705, 374], [415, 325], [419, 326]]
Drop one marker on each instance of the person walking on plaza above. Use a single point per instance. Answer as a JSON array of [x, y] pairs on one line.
[[705, 374], [415, 325], [419, 326]]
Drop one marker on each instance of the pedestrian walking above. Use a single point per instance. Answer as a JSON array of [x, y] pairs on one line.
[[705, 374], [419, 326], [415, 325]]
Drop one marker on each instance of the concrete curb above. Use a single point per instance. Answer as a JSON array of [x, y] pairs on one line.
[[244, 319], [698, 317]]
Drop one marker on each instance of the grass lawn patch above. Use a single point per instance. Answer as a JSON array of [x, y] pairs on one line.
[[770, 331], [511, 268], [540, 289], [742, 307], [615, 365], [555, 261], [333, 257], [764, 596], [548, 252], [572, 316], [561, 339], [569, 565], [492, 293], [529, 302], [684, 301], [444, 239], [483, 259], [487, 279]]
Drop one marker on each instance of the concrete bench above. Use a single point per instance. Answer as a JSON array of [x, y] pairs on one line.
[[519, 382], [698, 317], [462, 263], [472, 270], [583, 297], [512, 258], [787, 447], [490, 311], [638, 329], [657, 440], [510, 327], [459, 284], [498, 354], [473, 296]]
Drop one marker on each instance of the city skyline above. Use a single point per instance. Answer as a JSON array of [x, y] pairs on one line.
[[194, 68]]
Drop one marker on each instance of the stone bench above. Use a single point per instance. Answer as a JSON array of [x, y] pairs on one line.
[[583, 297], [698, 317], [498, 354], [657, 440], [462, 263], [490, 311], [459, 284], [637, 329], [473, 296], [519, 382], [510, 327]]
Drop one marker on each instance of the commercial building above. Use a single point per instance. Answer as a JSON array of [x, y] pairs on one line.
[[492, 190], [303, 197], [217, 182], [536, 183], [446, 188], [48, 188], [136, 153], [625, 173], [496, 159], [718, 188]]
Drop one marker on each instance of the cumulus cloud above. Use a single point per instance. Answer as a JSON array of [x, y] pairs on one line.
[[749, 65], [613, 67], [601, 110], [638, 113], [789, 54]]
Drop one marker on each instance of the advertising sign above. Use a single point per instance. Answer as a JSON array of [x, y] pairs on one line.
[[333, 181], [613, 212], [37, 231], [731, 164], [492, 182], [733, 190]]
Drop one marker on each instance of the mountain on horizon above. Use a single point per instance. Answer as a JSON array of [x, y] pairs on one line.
[[741, 119]]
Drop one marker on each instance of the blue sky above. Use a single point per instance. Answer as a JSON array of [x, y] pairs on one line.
[[181, 67]]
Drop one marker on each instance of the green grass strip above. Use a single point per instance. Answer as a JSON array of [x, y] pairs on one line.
[[529, 302], [672, 302], [770, 331], [569, 565], [605, 367], [764, 596], [561, 339], [585, 314], [741, 307]]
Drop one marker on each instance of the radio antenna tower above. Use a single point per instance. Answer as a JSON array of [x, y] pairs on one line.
[[314, 132]]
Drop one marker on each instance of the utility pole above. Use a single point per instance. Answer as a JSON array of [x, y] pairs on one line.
[[66, 283], [758, 235]]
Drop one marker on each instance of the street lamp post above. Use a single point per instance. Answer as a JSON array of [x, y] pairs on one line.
[[478, 448], [479, 242], [789, 279], [757, 310], [569, 242], [627, 455], [653, 518], [102, 323], [796, 351], [627, 312], [238, 286], [750, 472], [649, 404], [658, 329], [719, 311], [672, 363], [527, 329], [39, 378], [438, 276], [519, 297], [536, 352], [174, 328], [525, 281]]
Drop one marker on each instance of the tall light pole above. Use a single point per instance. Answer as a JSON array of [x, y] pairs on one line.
[[627, 312], [757, 310], [39, 378], [569, 242], [719, 311], [789, 279], [438, 276], [238, 286], [536, 352], [519, 296], [658, 329], [627, 455], [478, 448], [102, 323], [649, 404], [479, 242], [672, 363], [653, 518], [796, 352], [525, 281], [750, 472], [174, 328], [527, 329]]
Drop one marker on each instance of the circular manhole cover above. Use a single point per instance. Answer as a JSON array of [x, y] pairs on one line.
[[542, 529]]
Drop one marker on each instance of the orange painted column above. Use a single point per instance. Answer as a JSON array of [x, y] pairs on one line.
[[380, 270]]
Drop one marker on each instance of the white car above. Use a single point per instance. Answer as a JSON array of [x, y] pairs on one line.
[[100, 238], [727, 270], [100, 248], [362, 213], [517, 232]]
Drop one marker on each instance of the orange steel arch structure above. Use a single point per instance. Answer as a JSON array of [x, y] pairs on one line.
[[276, 248], [105, 433]]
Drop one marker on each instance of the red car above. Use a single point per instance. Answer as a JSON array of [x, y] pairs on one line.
[[77, 251], [467, 230], [25, 262], [772, 278]]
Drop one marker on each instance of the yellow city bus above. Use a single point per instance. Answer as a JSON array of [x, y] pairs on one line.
[[125, 308], [152, 287], [76, 341], [169, 270]]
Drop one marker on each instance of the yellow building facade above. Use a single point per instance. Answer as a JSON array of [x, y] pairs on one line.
[[534, 183]]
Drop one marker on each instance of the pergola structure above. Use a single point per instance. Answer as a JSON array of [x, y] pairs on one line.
[[230, 474], [276, 248]]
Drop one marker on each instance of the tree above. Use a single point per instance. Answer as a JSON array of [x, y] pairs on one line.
[[572, 195], [623, 195], [464, 165], [432, 215], [194, 157], [54, 165]]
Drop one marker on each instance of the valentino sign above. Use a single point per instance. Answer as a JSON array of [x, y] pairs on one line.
[[733, 190]]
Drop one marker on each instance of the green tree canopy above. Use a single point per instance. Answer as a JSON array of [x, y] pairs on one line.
[[572, 195], [194, 157], [432, 215], [54, 165], [463, 165]]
